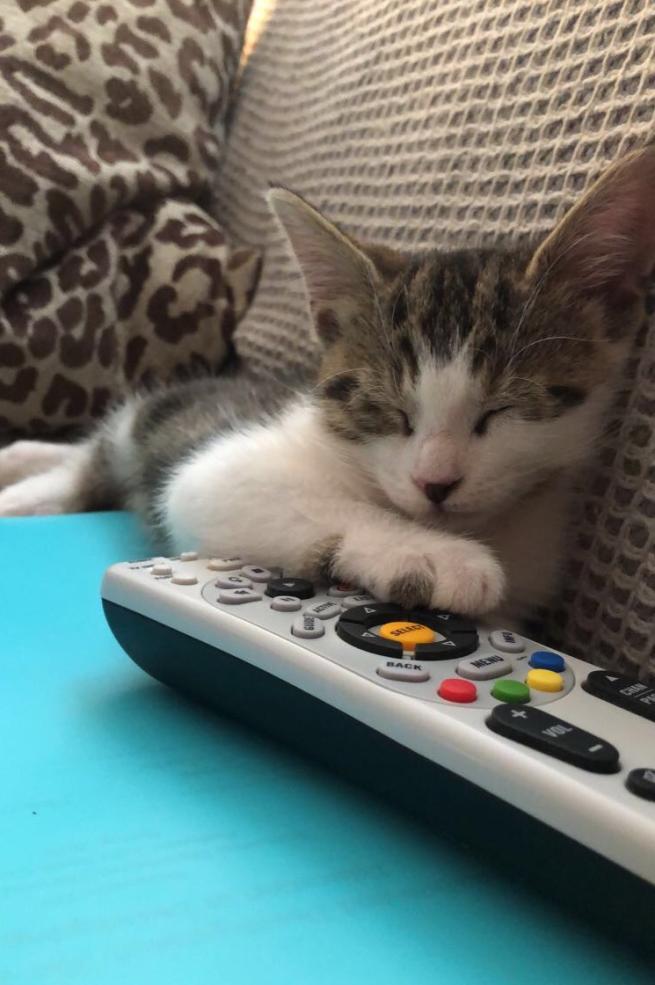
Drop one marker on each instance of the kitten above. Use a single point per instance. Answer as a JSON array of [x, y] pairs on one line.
[[432, 461]]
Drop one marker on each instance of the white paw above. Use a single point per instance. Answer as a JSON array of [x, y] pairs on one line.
[[25, 458], [468, 579], [47, 493], [437, 572]]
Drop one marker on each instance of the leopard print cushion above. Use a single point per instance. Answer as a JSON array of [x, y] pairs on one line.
[[114, 270]]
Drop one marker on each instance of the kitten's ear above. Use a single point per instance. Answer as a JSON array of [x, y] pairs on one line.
[[606, 244], [339, 277]]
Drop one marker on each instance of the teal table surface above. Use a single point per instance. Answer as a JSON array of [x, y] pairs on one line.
[[144, 839]]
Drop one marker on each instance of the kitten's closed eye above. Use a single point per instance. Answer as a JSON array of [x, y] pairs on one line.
[[482, 423], [406, 423]]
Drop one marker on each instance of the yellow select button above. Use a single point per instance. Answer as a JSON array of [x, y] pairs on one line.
[[544, 680], [408, 634]]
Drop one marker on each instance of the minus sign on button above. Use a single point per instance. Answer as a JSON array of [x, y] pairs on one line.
[[595, 748]]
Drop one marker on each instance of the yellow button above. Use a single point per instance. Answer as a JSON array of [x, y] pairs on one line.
[[544, 680], [409, 634]]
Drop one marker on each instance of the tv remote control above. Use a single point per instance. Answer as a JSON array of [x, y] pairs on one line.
[[567, 742]]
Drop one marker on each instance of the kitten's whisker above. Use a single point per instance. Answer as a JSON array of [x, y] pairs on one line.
[[529, 304], [548, 338]]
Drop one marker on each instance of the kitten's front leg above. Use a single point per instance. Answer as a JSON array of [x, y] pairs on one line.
[[402, 562], [237, 503]]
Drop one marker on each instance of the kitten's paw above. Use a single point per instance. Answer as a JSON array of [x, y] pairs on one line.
[[458, 575], [468, 579], [37, 496], [25, 458]]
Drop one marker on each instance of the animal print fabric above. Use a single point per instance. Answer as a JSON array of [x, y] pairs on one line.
[[457, 122], [113, 269]]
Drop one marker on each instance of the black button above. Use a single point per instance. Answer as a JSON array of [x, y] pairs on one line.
[[444, 622], [555, 737], [365, 639], [623, 691], [642, 782], [373, 614], [457, 646], [298, 587]]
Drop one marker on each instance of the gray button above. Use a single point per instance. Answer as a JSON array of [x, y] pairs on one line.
[[483, 668], [234, 596], [189, 556], [353, 600], [257, 574], [340, 591], [324, 610], [232, 581], [506, 641], [225, 563], [398, 670], [307, 627], [181, 578], [162, 570], [286, 603]]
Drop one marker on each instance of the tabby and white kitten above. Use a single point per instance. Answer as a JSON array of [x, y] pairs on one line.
[[432, 460]]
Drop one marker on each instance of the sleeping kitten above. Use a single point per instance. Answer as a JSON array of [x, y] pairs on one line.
[[432, 461]]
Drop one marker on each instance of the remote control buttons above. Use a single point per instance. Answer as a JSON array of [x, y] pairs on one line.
[[484, 668], [161, 570], [257, 574], [544, 680], [380, 620], [225, 563], [408, 634], [232, 581], [307, 627], [299, 587], [324, 610], [539, 730], [457, 646], [623, 691], [182, 578], [642, 783], [458, 691], [286, 603], [353, 601], [546, 660], [511, 692], [236, 596], [371, 614], [341, 591], [188, 556], [361, 636], [506, 642], [397, 670]]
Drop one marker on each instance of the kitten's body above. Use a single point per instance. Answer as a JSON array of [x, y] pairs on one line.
[[432, 459]]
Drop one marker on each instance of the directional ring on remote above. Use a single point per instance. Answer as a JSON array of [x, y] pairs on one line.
[[457, 635]]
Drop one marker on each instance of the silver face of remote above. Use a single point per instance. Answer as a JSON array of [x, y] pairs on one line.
[[557, 737]]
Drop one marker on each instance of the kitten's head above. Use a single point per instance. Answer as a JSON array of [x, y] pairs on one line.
[[464, 380]]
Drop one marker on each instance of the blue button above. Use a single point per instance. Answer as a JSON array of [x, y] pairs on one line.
[[546, 660]]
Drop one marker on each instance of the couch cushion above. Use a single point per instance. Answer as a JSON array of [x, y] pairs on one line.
[[113, 269], [457, 122]]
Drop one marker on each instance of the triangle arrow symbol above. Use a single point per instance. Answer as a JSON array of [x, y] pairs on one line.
[[612, 679]]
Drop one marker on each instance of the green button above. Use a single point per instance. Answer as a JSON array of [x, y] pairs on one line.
[[514, 692]]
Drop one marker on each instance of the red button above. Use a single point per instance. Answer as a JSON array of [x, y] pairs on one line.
[[457, 690]]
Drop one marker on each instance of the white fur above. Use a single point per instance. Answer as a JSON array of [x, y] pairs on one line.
[[273, 492], [55, 490]]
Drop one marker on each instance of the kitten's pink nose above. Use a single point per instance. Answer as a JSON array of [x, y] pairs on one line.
[[437, 492]]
